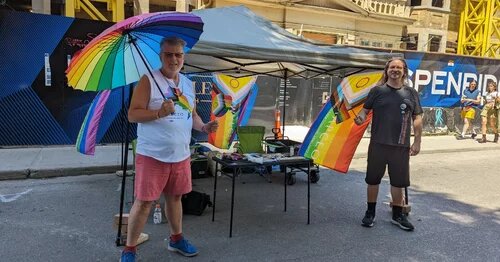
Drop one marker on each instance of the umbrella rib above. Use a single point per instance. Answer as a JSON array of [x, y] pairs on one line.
[[116, 47], [147, 67], [104, 64], [145, 34], [90, 60], [112, 47]]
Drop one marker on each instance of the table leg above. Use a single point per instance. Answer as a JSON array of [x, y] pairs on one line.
[[286, 182], [308, 193], [232, 204], [215, 189]]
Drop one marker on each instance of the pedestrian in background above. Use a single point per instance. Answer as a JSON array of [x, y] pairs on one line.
[[395, 106], [163, 163], [471, 98], [489, 114]]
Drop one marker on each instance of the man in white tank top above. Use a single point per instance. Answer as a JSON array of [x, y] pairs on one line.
[[163, 105]]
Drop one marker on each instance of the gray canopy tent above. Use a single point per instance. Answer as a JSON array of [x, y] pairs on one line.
[[237, 42]]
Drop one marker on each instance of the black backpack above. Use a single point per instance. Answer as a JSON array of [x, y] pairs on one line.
[[194, 203]]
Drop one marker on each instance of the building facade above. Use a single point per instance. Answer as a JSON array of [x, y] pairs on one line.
[[421, 25]]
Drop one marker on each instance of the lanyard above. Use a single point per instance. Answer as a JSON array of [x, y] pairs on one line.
[[175, 91]]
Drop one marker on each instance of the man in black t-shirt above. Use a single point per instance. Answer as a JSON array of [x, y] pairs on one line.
[[395, 107]]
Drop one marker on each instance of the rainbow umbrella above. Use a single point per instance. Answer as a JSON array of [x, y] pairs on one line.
[[121, 54]]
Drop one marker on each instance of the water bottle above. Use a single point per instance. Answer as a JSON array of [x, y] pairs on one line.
[[157, 214]]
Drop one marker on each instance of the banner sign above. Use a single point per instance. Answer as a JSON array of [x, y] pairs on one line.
[[441, 78]]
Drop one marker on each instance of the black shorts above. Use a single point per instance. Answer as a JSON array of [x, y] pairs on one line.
[[397, 158]]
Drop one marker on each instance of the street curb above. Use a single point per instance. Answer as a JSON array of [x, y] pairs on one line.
[[14, 174], [76, 171], [58, 172]]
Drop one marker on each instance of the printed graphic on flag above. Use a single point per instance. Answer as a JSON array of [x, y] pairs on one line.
[[355, 88]]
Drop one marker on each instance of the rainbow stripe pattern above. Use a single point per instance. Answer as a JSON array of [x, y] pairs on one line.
[[232, 100], [181, 100], [333, 144], [333, 137], [338, 105], [184, 103], [228, 121], [124, 52], [86, 139]]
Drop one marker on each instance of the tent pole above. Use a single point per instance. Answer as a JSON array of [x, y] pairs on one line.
[[284, 101], [124, 176]]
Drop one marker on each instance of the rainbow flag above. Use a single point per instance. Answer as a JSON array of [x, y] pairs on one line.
[[219, 107], [184, 103], [232, 99], [355, 87], [228, 121], [86, 139], [338, 105], [178, 97], [342, 113], [333, 144], [236, 88]]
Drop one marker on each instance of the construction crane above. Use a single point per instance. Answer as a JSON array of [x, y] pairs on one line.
[[116, 7], [479, 33]]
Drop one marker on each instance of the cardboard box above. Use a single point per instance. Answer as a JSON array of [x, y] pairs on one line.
[[116, 222], [143, 237]]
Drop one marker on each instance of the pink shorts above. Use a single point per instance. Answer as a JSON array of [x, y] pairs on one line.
[[152, 177]]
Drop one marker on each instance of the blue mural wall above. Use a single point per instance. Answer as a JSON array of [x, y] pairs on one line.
[[36, 105], [441, 78], [38, 108]]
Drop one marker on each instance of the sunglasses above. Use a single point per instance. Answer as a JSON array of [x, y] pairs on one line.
[[168, 54]]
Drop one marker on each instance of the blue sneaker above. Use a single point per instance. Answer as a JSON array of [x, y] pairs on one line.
[[184, 247], [128, 257]]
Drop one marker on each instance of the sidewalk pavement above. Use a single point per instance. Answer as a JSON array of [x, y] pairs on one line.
[[53, 161]]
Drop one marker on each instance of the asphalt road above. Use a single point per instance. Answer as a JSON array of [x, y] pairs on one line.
[[454, 197]]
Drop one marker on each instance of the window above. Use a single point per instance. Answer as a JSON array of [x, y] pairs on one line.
[[412, 45], [416, 2], [364, 43], [437, 3], [389, 45], [434, 43], [376, 44]]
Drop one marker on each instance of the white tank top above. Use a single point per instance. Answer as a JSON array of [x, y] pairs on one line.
[[167, 139], [490, 97]]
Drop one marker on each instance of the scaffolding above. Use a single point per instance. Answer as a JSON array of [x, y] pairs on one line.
[[116, 7], [479, 33]]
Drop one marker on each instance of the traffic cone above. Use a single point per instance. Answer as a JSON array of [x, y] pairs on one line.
[[277, 125]]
